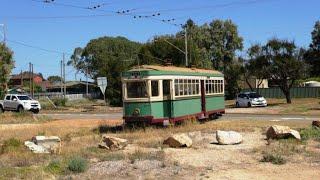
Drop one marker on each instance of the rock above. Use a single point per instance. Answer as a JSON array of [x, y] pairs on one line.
[[316, 124], [295, 134], [228, 137], [282, 132], [44, 144], [112, 143], [178, 140]]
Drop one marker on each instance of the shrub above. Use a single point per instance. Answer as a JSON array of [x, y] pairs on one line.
[[273, 158], [77, 164], [60, 101], [10, 145], [310, 133], [54, 167]]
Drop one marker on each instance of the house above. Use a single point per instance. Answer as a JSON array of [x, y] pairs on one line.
[[254, 83], [20, 80], [74, 87]]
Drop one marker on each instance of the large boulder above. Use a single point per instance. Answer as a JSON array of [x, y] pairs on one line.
[[282, 132], [44, 144], [178, 140], [112, 143], [316, 124], [228, 137]]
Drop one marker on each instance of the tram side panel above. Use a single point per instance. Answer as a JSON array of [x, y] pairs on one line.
[[185, 108], [215, 104]]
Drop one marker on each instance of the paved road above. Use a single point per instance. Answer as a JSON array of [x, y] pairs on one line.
[[115, 116]]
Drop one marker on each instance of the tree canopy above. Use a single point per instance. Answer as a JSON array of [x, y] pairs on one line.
[[312, 56], [54, 79], [107, 57], [6, 66]]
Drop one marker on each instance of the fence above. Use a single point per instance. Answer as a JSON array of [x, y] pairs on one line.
[[297, 92], [52, 95]]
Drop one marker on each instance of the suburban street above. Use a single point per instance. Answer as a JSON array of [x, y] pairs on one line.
[[113, 116]]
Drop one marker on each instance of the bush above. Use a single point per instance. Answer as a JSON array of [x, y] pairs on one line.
[[77, 164], [274, 159], [54, 167], [310, 133], [60, 101], [10, 145]]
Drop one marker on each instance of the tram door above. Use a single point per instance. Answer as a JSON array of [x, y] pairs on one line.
[[203, 96], [167, 105]]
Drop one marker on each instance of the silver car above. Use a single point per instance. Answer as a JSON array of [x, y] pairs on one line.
[[249, 99]]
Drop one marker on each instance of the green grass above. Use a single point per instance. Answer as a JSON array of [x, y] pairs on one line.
[[273, 158], [54, 167], [77, 164], [21, 173], [11, 145], [60, 102], [310, 133]]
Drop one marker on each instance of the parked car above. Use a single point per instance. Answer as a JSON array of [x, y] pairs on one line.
[[19, 103], [248, 99]]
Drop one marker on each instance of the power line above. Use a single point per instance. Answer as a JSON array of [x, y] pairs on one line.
[[207, 7], [58, 17], [36, 47], [125, 13]]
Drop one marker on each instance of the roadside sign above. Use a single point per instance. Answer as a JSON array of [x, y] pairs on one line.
[[102, 83]]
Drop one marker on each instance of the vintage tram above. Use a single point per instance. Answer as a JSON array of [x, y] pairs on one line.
[[166, 94]]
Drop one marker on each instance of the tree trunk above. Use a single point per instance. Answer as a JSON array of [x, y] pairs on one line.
[[248, 83], [288, 97]]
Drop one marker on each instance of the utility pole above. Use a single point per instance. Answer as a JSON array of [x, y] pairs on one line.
[[87, 84], [186, 44], [21, 83], [32, 95], [64, 77], [61, 78], [4, 33], [30, 82]]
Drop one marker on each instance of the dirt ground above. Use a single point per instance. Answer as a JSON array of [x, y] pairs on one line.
[[149, 159], [207, 160]]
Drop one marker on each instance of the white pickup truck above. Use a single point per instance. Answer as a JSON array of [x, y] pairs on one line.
[[19, 103]]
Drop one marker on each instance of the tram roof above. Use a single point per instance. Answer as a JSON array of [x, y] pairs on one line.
[[173, 70]]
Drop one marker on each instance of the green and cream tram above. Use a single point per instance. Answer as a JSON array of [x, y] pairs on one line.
[[168, 94]]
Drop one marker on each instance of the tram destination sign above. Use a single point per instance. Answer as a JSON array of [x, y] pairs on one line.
[[135, 75]]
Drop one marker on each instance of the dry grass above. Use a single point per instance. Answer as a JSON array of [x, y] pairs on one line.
[[80, 137], [303, 106], [18, 118], [83, 105]]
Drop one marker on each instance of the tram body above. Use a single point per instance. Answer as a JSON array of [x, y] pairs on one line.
[[168, 94]]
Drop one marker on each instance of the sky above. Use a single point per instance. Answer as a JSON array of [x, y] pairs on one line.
[[40, 32]]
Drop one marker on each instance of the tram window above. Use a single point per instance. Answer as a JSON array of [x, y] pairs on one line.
[[166, 87], [216, 86], [155, 88], [189, 87], [180, 87], [176, 87], [185, 87], [193, 85], [221, 86], [207, 87], [137, 89], [197, 86]]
